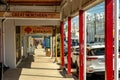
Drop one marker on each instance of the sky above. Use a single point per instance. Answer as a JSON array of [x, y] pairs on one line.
[[97, 9], [94, 10]]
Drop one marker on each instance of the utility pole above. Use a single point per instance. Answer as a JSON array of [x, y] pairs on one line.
[[94, 27]]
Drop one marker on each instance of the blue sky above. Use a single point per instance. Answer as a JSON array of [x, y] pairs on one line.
[[94, 10], [97, 9]]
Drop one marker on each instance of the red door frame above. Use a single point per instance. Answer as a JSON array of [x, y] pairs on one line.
[[62, 41], [69, 46], [108, 39], [81, 40]]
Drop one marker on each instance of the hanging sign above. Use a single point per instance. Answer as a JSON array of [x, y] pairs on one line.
[[27, 29], [2, 14], [44, 29], [23, 14]]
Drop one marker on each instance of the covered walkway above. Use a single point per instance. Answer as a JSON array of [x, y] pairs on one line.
[[21, 18], [36, 67]]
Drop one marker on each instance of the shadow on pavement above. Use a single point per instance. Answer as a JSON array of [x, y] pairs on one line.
[[76, 76], [64, 72], [96, 77], [14, 74], [8, 75], [26, 63]]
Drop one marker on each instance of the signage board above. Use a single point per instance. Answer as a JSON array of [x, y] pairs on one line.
[[37, 29], [23, 14]]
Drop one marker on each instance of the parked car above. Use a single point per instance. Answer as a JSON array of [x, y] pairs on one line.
[[74, 56], [95, 59], [75, 42]]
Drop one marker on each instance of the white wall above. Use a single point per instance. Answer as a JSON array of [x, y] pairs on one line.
[[10, 47]]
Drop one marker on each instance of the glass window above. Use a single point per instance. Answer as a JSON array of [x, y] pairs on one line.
[[98, 51]]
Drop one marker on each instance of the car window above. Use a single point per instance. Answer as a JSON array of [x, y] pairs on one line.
[[77, 49], [75, 42], [89, 53], [119, 50], [98, 51], [65, 43]]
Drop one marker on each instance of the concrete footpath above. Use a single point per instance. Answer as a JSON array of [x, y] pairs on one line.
[[36, 67]]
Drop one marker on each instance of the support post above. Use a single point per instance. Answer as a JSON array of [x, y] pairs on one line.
[[2, 49], [62, 45], [109, 40], [82, 40], [60, 49], [51, 46], [69, 47], [56, 60], [3, 46], [116, 40]]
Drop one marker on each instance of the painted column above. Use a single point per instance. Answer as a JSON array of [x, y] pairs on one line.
[[3, 41], [60, 50], [51, 46], [56, 60], [109, 40], [25, 46], [82, 46], [69, 46], [116, 40], [2, 48], [62, 45]]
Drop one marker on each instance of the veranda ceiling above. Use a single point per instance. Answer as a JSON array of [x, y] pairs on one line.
[[65, 7]]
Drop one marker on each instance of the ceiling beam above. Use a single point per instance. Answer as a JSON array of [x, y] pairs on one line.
[[90, 3], [35, 8], [34, 2]]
